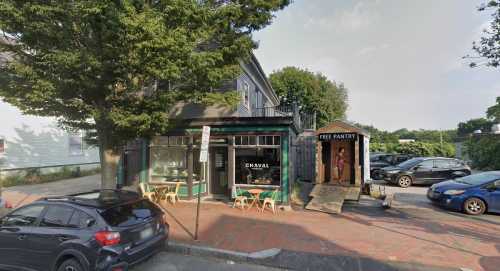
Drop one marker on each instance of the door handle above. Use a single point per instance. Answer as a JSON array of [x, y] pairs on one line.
[[21, 237], [63, 238]]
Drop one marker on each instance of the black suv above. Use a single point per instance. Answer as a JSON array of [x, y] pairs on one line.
[[99, 230], [381, 160], [425, 170]]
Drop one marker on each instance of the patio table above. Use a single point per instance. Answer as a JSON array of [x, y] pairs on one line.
[[256, 196], [161, 189]]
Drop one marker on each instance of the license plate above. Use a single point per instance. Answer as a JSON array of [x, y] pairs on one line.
[[146, 233]]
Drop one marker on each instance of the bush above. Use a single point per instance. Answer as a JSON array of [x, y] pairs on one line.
[[484, 152], [416, 148], [34, 176]]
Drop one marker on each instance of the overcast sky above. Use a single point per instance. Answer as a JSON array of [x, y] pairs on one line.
[[400, 59]]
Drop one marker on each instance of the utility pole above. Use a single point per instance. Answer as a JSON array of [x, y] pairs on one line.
[[441, 139]]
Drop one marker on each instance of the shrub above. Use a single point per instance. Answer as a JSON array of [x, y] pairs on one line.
[[484, 152], [416, 148]]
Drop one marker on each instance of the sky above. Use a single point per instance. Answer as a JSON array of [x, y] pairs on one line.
[[401, 60]]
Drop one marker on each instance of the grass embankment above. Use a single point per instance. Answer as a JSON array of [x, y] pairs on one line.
[[35, 176]]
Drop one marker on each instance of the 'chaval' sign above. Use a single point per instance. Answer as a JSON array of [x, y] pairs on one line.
[[337, 136]]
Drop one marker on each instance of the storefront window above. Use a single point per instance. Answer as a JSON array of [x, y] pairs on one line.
[[258, 166], [264, 140], [169, 164]]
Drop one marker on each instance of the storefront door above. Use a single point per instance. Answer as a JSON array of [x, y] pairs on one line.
[[218, 170]]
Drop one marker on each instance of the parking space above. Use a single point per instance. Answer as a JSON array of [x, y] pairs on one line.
[[414, 199]]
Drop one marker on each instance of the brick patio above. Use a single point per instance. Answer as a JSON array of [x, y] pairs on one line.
[[417, 236]]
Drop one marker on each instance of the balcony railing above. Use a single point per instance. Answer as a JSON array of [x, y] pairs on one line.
[[301, 120]]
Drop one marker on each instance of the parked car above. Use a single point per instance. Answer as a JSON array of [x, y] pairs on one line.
[[473, 194], [425, 170], [381, 160], [98, 230]]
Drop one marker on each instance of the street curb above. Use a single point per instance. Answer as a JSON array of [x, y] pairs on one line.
[[296, 260], [205, 251]]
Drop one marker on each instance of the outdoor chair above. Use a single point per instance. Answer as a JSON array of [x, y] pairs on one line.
[[174, 195], [146, 192], [240, 199], [271, 201]]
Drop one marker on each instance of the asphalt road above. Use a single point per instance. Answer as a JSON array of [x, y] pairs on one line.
[[414, 200], [63, 187], [176, 262]]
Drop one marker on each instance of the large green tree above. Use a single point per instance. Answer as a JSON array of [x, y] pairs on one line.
[[116, 66], [493, 112], [312, 91], [488, 47], [468, 127]]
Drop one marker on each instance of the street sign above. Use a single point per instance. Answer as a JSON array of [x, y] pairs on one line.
[[205, 139]]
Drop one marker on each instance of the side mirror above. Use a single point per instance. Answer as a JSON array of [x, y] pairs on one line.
[[416, 167]]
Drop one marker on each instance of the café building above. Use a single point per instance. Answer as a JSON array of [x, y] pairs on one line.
[[250, 146]]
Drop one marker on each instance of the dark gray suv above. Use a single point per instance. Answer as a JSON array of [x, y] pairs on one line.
[[104, 230]]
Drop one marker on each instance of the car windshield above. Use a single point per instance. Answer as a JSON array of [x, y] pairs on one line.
[[410, 163], [479, 179]]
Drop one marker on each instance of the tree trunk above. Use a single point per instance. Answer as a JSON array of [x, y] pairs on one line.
[[110, 157]]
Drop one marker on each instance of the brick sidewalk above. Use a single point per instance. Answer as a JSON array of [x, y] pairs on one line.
[[418, 235], [393, 235]]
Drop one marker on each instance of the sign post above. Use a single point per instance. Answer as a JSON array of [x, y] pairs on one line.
[[205, 139]]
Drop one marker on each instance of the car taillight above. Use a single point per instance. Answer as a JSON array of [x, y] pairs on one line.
[[107, 238]]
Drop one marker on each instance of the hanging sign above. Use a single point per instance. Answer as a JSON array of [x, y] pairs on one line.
[[205, 140], [337, 136]]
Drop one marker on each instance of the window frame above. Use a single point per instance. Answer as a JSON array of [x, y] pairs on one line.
[[446, 162], [79, 135], [239, 141], [47, 208], [245, 93], [426, 161]]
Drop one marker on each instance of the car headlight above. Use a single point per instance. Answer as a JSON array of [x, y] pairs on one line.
[[392, 171], [454, 192]]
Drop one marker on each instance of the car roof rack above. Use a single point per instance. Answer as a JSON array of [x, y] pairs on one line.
[[93, 199]]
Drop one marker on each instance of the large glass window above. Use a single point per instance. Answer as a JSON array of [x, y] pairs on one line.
[[169, 163], [258, 166], [75, 144]]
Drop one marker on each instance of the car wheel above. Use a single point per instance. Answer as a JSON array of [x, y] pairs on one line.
[[474, 206], [404, 181], [70, 265]]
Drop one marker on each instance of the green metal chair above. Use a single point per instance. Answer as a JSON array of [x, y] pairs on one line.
[[241, 198], [271, 201]]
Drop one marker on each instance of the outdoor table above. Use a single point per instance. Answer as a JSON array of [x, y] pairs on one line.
[[161, 189], [256, 194]]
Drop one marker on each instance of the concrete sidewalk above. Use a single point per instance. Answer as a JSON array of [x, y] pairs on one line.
[[413, 236]]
